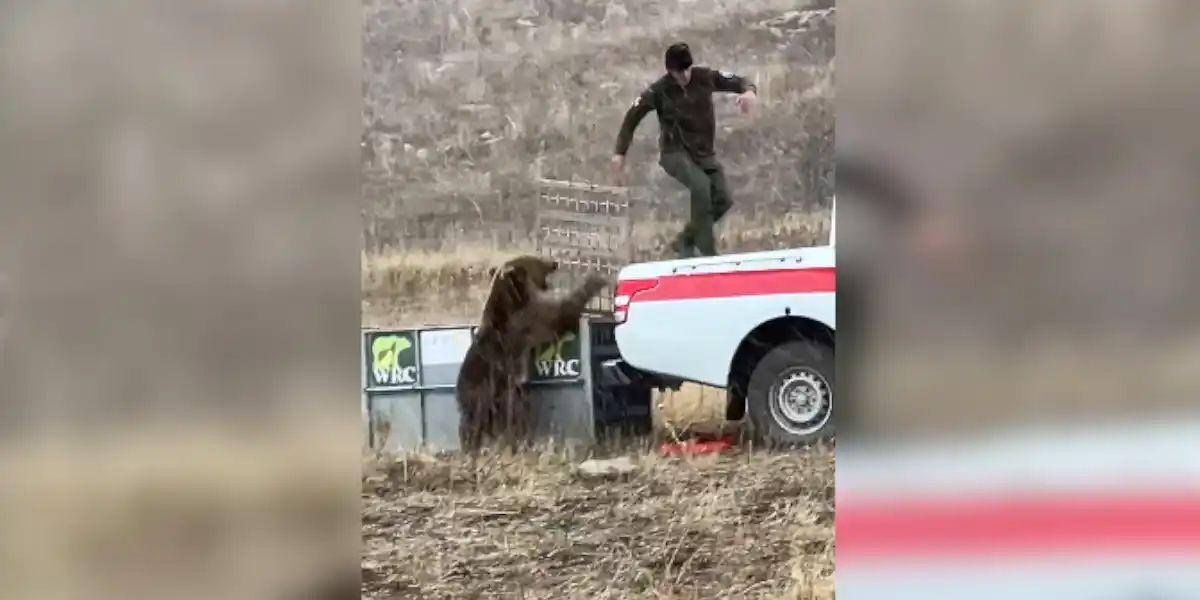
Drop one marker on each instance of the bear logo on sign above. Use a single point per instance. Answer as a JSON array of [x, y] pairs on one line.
[[386, 365]]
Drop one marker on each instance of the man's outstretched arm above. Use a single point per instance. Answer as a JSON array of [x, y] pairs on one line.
[[641, 107], [723, 81]]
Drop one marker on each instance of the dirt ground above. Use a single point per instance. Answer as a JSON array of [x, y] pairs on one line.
[[736, 525]]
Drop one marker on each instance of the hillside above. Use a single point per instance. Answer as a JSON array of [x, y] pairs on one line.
[[467, 101]]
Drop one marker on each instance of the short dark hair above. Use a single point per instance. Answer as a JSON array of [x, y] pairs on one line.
[[679, 57]]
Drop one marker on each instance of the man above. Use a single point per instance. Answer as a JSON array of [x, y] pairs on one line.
[[687, 126]]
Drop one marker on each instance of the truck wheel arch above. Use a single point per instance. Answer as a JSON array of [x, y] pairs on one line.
[[755, 345]]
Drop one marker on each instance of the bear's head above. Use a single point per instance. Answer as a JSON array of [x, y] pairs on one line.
[[532, 271], [515, 285]]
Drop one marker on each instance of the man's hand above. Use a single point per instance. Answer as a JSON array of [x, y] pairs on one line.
[[618, 166], [748, 103]]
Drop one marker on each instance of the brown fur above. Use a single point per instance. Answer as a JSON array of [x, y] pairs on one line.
[[518, 317]]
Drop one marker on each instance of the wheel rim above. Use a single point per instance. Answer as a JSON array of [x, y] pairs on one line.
[[801, 401]]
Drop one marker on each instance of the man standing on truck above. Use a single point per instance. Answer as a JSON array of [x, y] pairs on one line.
[[687, 127]]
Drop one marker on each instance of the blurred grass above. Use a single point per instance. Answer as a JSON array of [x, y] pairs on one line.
[[189, 513]]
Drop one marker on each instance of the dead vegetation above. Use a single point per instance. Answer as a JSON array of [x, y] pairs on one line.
[[467, 102], [750, 525], [411, 287]]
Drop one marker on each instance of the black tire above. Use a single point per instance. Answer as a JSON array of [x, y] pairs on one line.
[[778, 418]]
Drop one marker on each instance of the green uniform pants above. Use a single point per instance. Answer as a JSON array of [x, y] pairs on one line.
[[705, 180]]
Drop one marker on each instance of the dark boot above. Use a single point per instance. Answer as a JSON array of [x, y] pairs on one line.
[[682, 246]]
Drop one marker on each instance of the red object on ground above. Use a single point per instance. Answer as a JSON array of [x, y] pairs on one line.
[[696, 447]]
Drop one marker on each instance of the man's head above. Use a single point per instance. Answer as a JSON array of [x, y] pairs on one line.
[[679, 61]]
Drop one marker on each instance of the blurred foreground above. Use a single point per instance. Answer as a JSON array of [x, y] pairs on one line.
[[180, 243], [182, 514], [1058, 140], [1033, 410], [1050, 512]]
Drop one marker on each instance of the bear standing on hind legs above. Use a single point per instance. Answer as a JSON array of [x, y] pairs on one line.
[[519, 316]]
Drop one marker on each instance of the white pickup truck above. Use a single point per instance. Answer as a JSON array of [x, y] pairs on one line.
[[760, 324]]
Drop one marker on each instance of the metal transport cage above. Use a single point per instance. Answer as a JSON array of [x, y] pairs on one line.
[[587, 228], [409, 376]]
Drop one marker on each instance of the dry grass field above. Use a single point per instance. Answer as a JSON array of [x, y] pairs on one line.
[[414, 287], [531, 526], [467, 103]]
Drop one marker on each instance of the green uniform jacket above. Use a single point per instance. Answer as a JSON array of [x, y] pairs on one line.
[[686, 120]]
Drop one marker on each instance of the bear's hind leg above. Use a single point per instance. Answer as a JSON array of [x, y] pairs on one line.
[[468, 430], [518, 417]]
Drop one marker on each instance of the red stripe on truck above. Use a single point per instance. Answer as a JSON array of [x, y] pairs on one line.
[[1064, 525], [737, 284]]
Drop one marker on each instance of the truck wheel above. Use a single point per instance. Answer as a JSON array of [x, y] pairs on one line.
[[790, 395]]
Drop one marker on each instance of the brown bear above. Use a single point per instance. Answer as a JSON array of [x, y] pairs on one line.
[[519, 316]]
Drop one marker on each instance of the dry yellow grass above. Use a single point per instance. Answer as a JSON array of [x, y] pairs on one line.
[[744, 525], [693, 407], [443, 285]]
